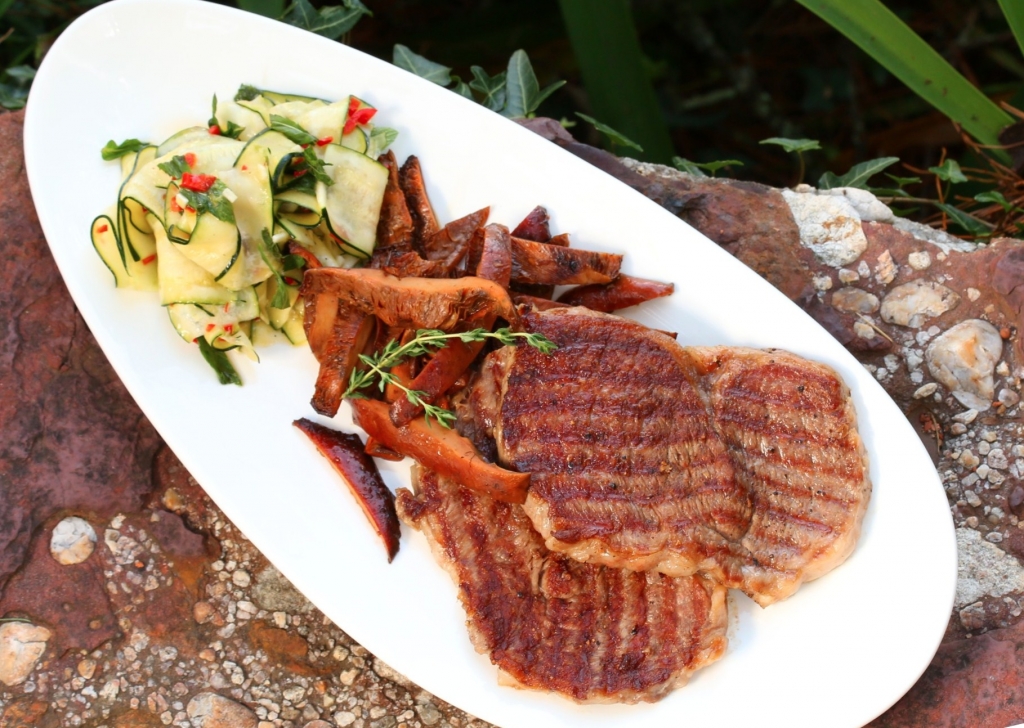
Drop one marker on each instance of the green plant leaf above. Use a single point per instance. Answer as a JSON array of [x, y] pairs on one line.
[[793, 145], [972, 225], [685, 165], [112, 150], [1014, 12], [268, 8], [220, 363], [994, 196], [713, 167], [949, 171], [247, 92], [614, 136], [331, 21], [176, 167], [616, 72], [903, 181], [462, 88], [858, 175], [21, 74], [491, 88], [404, 58], [291, 129], [521, 87], [381, 138], [887, 39]]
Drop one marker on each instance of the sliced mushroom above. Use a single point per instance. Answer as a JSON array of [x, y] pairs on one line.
[[409, 303], [546, 264], [623, 292], [424, 221], [534, 226], [454, 236], [346, 455], [442, 450]]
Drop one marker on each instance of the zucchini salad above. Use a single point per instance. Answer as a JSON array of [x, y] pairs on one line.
[[221, 219]]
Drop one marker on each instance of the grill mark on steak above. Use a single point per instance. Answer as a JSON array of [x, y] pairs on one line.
[[591, 633], [742, 464]]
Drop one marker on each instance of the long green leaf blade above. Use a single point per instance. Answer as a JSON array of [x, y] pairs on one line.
[[1014, 12], [889, 40], [619, 88], [403, 57]]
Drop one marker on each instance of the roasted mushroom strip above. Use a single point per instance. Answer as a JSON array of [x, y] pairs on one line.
[[623, 292]]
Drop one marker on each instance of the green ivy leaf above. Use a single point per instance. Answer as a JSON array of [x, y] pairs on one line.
[[990, 196], [403, 57], [21, 74], [462, 88], [614, 136], [492, 88], [903, 181], [112, 150], [858, 175], [331, 21], [522, 92], [315, 165], [793, 145], [685, 165], [949, 171], [971, 224]]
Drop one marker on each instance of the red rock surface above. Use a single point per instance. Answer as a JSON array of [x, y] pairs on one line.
[[175, 602]]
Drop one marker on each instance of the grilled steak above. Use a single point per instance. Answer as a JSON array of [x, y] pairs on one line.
[[591, 633], [740, 464]]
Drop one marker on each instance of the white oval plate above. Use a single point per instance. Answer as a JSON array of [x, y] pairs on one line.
[[838, 653]]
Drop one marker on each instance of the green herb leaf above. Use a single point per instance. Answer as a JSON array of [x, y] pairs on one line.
[[971, 224], [491, 88], [949, 171], [218, 359], [213, 113], [685, 165], [176, 167], [293, 262], [212, 201], [267, 250], [994, 196], [381, 138], [858, 175], [614, 136], [247, 93], [404, 58], [316, 166], [331, 21], [112, 150], [291, 129], [233, 130], [793, 145]]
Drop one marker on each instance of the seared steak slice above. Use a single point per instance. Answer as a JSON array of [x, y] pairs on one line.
[[792, 430], [591, 633], [648, 455]]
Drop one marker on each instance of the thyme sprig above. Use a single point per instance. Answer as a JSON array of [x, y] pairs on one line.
[[428, 341]]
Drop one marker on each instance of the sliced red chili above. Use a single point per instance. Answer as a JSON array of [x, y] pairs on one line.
[[229, 328], [149, 259], [325, 141], [210, 327], [175, 207], [300, 172], [102, 228], [357, 118], [197, 182], [215, 130], [190, 159], [290, 281]]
